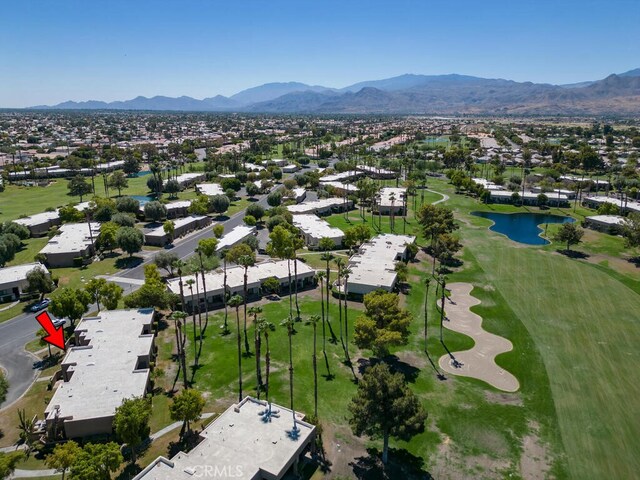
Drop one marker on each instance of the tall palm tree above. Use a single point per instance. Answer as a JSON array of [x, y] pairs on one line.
[[321, 276], [426, 310], [235, 302], [313, 321], [179, 265], [226, 292], [345, 275], [204, 289], [178, 317], [289, 323], [327, 256], [443, 282], [190, 284], [264, 327], [246, 261], [392, 212], [255, 311], [298, 242], [340, 264]]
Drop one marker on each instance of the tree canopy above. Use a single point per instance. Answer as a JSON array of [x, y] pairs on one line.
[[569, 233], [384, 406], [131, 422]]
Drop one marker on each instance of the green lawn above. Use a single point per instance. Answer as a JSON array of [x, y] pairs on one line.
[[582, 319]]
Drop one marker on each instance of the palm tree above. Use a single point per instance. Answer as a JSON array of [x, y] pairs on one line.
[[246, 261], [327, 256], [225, 330], [255, 311], [235, 302], [178, 265], [289, 323], [340, 264], [313, 321], [298, 242], [345, 275], [443, 282], [321, 276], [204, 289], [426, 309], [190, 284], [392, 212], [178, 317], [264, 327]]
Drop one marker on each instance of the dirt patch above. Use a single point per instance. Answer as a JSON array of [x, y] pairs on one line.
[[412, 358], [534, 462], [341, 448], [504, 398], [451, 464]]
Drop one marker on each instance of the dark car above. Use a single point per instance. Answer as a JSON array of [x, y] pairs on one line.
[[41, 305]]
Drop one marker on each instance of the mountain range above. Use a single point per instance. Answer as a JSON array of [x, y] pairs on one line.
[[453, 94]]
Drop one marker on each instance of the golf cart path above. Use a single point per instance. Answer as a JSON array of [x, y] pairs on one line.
[[444, 198], [479, 361]]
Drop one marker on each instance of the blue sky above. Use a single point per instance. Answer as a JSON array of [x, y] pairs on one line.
[[52, 51]]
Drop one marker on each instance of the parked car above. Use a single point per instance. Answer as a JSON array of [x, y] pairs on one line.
[[58, 322], [41, 305]]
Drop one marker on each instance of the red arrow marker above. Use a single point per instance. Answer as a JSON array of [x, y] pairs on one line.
[[55, 335]]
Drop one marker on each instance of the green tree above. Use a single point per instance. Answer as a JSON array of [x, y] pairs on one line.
[[101, 291], [39, 281], [569, 233], [118, 180], [4, 387], [252, 189], [543, 200], [187, 408], [218, 230], [256, 211], [172, 187], [70, 214], [131, 423], [169, 229], [250, 220], [129, 240], [97, 462], [128, 205], [166, 261], [63, 457], [155, 211], [152, 293], [71, 303], [9, 462], [384, 323], [131, 165], [384, 406], [608, 208], [107, 237], [631, 230], [281, 245], [274, 199], [436, 220], [78, 187], [219, 203]]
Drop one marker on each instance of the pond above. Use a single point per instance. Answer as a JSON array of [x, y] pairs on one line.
[[522, 227], [143, 199]]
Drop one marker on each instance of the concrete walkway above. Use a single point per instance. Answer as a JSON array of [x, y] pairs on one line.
[[444, 198], [46, 473], [11, 305], [479, 361]]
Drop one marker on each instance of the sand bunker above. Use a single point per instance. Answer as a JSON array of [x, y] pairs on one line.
[[479, 361]]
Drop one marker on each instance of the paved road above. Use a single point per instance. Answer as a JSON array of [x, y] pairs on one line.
[[19, 365]]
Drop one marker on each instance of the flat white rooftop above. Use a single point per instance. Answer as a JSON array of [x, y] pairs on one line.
[[387, 193], [316, 205], [17, 273], [339, 177], [179, 223], [607, 219], [189, 177], [316, 227], [375, 263], [72, 237], [235, 277], [242, 441], [375, 170], [344, 186], [104, 371], [236, 235], [209, 189], [38, 219]]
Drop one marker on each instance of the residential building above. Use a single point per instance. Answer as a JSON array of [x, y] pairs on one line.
[[244, 443], [377, 173], [209, 189], [374, 266], [187, 179], [109, 363], [342, 176], [13, 280], [624, 205], [322, 206], [40, 223], [256, 276], [291, 168], [314, 229], [391, 199], [612, 224], [74, 240], [158, 237], [237, 235], [529, 198]]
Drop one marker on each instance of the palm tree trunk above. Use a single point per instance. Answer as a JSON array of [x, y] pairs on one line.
[[290, 297], [267, 361], [315, 375], [346, 323], [258, 342], [340, 308], [246, 338], [206, 302], [239, 354], [295, 274], [291, 375], [224, 297]]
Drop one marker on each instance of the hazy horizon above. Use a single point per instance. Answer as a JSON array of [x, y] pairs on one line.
[[117, 51]]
